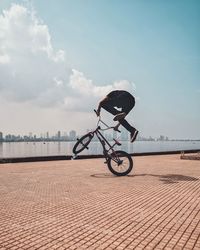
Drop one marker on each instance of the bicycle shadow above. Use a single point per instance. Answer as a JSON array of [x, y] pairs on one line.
[[166, 179], [104, 175], [170, 178]]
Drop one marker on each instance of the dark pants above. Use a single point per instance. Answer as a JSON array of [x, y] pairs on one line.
[[127, 104]]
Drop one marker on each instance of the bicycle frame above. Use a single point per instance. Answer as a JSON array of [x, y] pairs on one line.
[[104, 141], [118, 161]]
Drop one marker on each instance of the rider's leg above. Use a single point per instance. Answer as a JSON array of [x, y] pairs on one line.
[[114, 111], [126, 125], [133, 131], [119, 116], [108, 107], [116, 128], [126, 107]]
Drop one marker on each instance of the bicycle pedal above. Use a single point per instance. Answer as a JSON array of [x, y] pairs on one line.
[[117, 142]]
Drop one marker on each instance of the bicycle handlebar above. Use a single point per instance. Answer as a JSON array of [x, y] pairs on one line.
[[114, 128], [95, 112]]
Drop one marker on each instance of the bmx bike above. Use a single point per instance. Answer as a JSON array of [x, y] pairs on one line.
[[119, 162]]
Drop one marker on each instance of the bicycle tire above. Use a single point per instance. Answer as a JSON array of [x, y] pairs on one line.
[[82, 143], [123, 168]]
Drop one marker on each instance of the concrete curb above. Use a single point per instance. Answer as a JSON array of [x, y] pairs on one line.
[[69, 157]]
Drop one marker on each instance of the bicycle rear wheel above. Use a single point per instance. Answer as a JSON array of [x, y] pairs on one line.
[[120, 163], [82, 143]]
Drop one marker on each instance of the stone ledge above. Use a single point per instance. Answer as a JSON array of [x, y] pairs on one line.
[[191, 157]]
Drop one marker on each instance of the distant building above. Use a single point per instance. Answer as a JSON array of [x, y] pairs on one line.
[[151, 138], [72, 135], [161, 138], [59, 135], [8, 137], [124, 134], [114, 134], [108, 136], [1, 136]]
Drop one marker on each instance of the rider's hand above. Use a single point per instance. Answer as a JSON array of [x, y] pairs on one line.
[[98, 112]]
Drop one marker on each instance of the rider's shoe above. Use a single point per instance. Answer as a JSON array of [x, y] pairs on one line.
[[116, 128], [134, 134], [119, 116]]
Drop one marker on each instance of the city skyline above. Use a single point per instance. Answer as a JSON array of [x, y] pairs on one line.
[[57, 60], [73, 135]]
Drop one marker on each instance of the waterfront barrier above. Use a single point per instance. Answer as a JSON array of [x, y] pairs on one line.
[[70, 157]]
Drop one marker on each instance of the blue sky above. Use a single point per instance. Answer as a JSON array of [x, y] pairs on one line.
[[154, 45]]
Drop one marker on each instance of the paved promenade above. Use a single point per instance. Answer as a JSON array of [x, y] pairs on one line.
[[80, 205]]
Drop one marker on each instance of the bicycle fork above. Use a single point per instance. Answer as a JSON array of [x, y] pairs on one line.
[[112, 155]]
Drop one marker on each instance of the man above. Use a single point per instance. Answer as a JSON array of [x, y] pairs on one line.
[[120, 99]]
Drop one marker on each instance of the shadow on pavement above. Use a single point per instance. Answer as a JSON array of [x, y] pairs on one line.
[[103, 175], [167, 179]]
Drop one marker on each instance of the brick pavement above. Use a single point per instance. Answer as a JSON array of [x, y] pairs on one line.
[[81, 205]]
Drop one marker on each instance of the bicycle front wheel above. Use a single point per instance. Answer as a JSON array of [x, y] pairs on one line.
[[120, 163], [82, 143]]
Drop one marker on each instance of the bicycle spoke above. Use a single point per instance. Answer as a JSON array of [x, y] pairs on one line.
[[82, 143], [120, 163]]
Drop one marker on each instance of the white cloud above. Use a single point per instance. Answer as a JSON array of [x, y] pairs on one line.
[[28, 63], [88, 93], [4, 59], [33, 71], [86, 87]]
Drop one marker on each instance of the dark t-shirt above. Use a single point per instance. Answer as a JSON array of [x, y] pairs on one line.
[[120, 97], [119, 93]]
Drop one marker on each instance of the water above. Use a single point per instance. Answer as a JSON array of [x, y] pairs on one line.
[[25, 149]]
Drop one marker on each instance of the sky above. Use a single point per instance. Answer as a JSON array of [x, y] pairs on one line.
[[58, 59]]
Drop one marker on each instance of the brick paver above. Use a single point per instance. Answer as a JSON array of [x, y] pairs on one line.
[[81, 205]]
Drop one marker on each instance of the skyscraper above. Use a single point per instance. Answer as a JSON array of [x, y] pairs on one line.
[[72, 135], [59, 135], [1, 136]]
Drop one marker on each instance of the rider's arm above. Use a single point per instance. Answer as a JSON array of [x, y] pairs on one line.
[[101, 103]]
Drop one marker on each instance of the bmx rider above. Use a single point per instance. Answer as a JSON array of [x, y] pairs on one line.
[[120, 99]]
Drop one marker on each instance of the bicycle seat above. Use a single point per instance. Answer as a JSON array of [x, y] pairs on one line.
[[117, 142]]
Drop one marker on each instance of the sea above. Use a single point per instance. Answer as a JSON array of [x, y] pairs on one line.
[[30, 149]]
